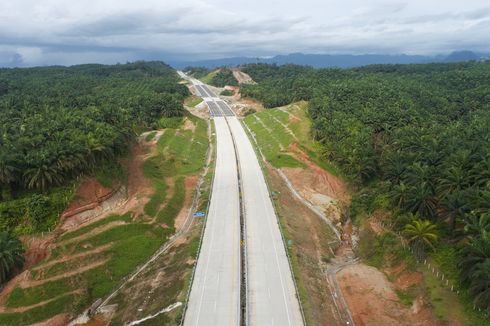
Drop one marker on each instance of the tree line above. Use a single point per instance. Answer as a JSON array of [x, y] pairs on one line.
[[220, 78], [419, 134], [58, 123]]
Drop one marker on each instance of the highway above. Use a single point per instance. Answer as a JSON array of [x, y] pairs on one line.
[[271, 296], [215, 291]]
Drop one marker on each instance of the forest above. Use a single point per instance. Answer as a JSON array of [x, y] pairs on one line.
[[59, 123], [219, 78], [416, 136]]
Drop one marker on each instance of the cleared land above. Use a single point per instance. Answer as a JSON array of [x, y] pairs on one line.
[[311, 242], [88, 262]]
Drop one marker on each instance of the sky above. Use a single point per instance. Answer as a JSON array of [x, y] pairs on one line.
[[66, 32]]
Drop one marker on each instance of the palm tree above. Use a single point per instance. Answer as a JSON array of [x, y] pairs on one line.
[[475, 270], [399, 194], [419, 173], [8, 175], [42, 176], [452, 179], [11, 255], [421, 234], [480, 173], [7, 169], [421, 200], [394, 167], [477, 225], [454, 207]]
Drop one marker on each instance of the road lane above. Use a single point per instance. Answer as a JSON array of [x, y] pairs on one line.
[[215, 294], [271, 296]]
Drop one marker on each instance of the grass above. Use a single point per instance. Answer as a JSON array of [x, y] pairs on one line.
[[445, 303], [209, 77], [180, 153], [150, 136], [445, 258], [170, 122], [108, 173], [63, 303], [169, 212], [29, 296], [407, 296], [274, 138], [16, 213], [270, 143], [226, 92], [192, 101], [85, 229], [132, 245]]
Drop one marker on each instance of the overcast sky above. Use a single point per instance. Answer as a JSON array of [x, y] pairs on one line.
[[39, 32]]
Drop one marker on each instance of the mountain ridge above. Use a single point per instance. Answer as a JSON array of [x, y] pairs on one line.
[[335, 60]]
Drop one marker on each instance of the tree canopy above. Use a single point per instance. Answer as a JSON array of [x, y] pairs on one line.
[[422, 132], [57, 122]]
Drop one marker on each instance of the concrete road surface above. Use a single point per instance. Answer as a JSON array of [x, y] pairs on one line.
[[271, 295], [215, 294]]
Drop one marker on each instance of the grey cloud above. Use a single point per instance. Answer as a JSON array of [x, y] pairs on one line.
[[122, 30]]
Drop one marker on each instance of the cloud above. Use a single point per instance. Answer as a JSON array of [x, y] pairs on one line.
[[60, 32]]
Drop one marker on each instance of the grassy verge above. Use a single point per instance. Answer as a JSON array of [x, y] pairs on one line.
[[299, 226], [272, 142], [90, 227], [278, 129], [209, 77], [192, 101], [166, 280], [180, 153]]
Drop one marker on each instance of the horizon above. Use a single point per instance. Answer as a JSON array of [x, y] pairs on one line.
[[180, 64], [53, 32]]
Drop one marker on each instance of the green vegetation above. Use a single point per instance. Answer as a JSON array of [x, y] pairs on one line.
[[124, 241], [208, 78], [192, 101], [277, 130], [273, 139], [40, 313], [197, 72], [11, 255], [226, 92], [185, 151], [219, 77], [150, 136], [417, 134], [421, 234], [222, 78], [406, 296], [110, 172], [375, 248], [59, 123], [34, 212], [90, 227]]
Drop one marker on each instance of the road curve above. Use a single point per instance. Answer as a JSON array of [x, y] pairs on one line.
[[271, 295], [215, 294]]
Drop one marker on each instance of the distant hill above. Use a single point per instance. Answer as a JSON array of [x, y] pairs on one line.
[[458, 56], [333, 60]]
